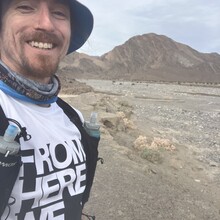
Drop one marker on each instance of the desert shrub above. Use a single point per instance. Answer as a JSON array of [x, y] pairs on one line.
[[141, 143], [127, 123], [162, 144], [151, 149], [152, 156]]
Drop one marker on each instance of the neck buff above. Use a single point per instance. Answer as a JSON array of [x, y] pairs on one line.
[[28, 90]]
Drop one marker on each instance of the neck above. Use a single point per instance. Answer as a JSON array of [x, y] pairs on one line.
[[45, 80]]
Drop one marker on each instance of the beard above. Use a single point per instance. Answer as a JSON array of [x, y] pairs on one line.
[[42, 67]]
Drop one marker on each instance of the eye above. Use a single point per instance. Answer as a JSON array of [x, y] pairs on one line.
[[61, 11], [61, 14], [25, 9]]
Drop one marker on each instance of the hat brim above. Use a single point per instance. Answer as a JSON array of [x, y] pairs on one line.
[[81, 25]]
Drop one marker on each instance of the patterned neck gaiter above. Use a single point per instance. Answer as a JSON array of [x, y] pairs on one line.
[[28, 90]]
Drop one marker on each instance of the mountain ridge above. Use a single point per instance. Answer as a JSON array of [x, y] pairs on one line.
[[146, 57]]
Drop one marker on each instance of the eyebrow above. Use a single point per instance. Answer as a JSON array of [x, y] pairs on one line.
[[63, 2]]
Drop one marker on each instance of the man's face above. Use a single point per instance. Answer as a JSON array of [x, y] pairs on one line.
[[35, 36]]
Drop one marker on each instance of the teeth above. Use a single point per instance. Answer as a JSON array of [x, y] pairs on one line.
[[41, 45]]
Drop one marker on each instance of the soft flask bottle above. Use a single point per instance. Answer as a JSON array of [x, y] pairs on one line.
[[8, 146]]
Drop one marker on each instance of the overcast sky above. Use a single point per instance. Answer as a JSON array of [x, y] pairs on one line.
[[192, 22]]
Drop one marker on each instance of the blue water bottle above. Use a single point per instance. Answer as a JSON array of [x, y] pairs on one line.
[[92, 127]]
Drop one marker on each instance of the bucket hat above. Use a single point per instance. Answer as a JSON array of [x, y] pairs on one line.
[[81, 25]]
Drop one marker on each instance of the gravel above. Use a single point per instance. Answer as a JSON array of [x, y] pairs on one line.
[[188, 115]]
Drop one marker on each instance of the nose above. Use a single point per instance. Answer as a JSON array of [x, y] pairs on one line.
[[44, 20]]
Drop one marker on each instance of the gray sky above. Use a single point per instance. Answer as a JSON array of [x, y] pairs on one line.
[[192, 22]]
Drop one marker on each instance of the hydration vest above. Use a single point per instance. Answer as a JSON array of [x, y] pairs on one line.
[[10, 165]]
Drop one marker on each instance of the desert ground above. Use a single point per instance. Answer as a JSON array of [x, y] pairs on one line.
[[161, 149]]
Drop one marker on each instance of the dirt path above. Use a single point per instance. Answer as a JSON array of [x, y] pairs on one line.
[[161, 149]]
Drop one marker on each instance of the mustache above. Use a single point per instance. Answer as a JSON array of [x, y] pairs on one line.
[[43, 36]]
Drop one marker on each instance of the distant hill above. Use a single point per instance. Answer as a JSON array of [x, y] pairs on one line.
[[146, 57]]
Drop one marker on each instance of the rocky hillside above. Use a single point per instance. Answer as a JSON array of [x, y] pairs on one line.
[[146, 57]]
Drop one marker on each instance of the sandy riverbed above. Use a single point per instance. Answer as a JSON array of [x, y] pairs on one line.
[[161, 148]]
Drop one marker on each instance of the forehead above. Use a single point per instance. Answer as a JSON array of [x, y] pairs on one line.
[[6, 5], [63, 2]]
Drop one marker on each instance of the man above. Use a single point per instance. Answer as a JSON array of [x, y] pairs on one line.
[[35, 36]]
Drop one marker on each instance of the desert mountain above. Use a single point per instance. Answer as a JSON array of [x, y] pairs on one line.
[[146, 57]]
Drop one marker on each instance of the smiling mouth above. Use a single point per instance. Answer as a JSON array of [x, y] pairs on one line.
[[41, 45]]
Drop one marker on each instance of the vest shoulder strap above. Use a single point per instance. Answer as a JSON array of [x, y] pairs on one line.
[[71, 113], [3, 122], [90, 145]]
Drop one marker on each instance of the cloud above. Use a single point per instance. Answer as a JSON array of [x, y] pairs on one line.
[[193, 22]]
